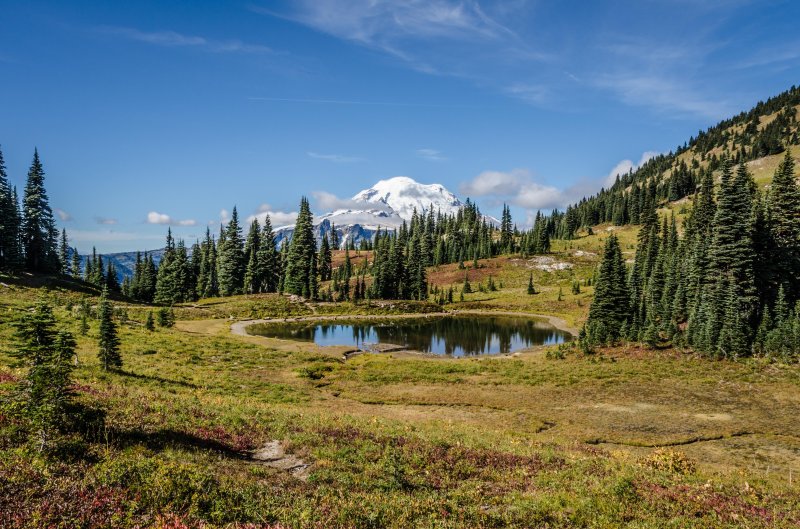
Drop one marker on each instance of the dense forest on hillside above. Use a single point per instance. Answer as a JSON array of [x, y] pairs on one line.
[[730, 285]]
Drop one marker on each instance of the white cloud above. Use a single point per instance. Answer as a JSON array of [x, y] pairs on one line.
[[106, 221], [277, 218], [63, 215], [624, 166], [155, 217], [515, 187], [337, 158], [175, 39], [431, 155]]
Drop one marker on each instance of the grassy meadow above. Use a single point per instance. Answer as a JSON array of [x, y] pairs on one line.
[[546, 437]]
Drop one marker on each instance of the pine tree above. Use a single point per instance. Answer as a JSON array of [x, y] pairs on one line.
[[44, 391], [63, 254], [9, 222], [731, 262], [784, 204], [506, 233], [300, 273], [231, 258], [149, 323], [166, 287], [269, 259], [39, 234], [253, 275], [609, 309], [75, 267], [325, 260], [531, 290], [108, 341]]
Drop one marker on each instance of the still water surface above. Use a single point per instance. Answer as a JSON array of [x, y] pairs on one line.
[[463, 335]]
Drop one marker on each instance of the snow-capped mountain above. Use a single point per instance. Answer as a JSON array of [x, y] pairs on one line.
[[404, 195], [383, 206]]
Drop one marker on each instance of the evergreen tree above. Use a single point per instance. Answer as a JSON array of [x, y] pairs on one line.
[[39, 234], [108, 341], [231, 258], [784, 204], [300, 272], [253, 275], [325, 260], [506, 233], [731, 264], [63, 254], [149, 323], [531, 289], [9, 231], [609, 309], [167, 288], [269, 259], [75, 268], [44, 391]]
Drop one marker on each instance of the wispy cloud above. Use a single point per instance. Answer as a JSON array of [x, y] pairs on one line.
[[277, 218], [106, 221], [383, 24], [664, 94], [170, 38], [63, 215], [457, 38], [536, 94], [155, 217], [337, 158], [431, 155]]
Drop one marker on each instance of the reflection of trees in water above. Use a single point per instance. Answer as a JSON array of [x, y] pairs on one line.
[[450, 335]]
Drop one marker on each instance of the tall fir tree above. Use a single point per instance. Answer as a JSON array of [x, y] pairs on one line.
[[45, 391], [108, 340], [784, 204], [230, 258], [300, 271], [253, 275], [9, 222], [609, 309], [269, 259], [39, 233], [63, 254]]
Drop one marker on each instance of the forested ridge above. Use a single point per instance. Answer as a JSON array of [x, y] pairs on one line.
[[729, 284]]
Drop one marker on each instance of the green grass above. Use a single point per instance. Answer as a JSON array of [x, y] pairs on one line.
[[624, 438]]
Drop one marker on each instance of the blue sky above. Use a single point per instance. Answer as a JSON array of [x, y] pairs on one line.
[[148, 114]]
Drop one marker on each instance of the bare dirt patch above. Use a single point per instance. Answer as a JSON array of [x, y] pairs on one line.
[[274, 455]]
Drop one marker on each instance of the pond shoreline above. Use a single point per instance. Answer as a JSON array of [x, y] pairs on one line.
[[240, 327]]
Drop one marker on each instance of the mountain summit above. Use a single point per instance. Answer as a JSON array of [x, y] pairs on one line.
[[383, 206], [404, 195]]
